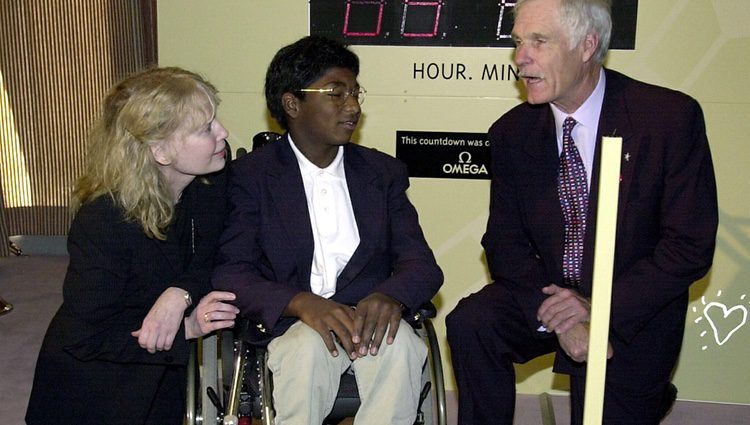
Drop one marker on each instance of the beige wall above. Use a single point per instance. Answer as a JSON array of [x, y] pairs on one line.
[[701, 47]]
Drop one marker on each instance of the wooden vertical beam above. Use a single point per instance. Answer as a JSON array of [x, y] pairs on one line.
[[604, 256]]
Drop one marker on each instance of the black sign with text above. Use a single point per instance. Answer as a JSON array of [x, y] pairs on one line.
[[445, 155]]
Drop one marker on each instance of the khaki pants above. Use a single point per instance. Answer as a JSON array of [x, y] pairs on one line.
[[306, 378]]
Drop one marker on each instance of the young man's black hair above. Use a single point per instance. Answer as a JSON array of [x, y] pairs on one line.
[[297, 65]]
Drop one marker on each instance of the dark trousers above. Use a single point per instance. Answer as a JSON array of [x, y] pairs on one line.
[[487, 334]]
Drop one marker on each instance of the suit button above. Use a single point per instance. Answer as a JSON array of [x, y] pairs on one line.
[[260, 328], [537, 256]]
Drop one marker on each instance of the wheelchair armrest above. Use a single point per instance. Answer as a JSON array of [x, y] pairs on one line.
[[423, 312]]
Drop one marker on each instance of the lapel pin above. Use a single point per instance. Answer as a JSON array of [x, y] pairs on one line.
[[627, 156]]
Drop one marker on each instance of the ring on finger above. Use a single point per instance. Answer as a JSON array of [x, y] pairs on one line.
[[206, 318]]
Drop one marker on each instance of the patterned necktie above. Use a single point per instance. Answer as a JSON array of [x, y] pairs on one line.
[[572, 188]]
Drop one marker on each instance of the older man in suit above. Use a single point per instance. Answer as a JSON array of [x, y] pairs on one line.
[[539, 238], [324, 250]]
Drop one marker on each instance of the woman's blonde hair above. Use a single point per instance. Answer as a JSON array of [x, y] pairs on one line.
[[142, 110]]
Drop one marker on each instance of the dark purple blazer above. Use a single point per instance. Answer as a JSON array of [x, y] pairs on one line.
[[267, 246], [666, 221]]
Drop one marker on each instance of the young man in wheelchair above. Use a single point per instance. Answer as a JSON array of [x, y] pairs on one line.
[[324, 250]]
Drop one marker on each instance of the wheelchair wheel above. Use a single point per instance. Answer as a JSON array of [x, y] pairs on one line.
[[204, 405], [252, 383], [432, 409], [192, 384]]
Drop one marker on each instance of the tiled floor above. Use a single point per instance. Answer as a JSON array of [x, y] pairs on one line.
[[33, 285]]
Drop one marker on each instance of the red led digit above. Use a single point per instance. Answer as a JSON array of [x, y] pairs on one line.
[[505, 9], [356, 21], [432, 30]]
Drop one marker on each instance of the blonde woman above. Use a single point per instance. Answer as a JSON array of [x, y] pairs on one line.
[[141, 249]]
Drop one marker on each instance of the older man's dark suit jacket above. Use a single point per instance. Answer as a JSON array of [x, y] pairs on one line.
[[267, 247], [666, 221]]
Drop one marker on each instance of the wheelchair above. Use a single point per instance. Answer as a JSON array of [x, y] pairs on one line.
[[240, 394]]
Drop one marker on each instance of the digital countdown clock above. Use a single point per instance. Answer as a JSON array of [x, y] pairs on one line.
[[466, 23]]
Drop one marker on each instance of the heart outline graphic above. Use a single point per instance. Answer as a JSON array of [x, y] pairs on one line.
[[725, 313]]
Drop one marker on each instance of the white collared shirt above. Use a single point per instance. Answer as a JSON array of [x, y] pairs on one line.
[[584, 133], [332, 219]]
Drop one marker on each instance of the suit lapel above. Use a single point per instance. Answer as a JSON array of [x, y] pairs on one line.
[[543, 200], [368, 203], [613, 122], [288, 194]]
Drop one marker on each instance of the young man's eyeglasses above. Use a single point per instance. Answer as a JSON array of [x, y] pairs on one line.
[[339, 94]]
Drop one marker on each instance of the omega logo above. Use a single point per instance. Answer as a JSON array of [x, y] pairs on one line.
[[464, 166]]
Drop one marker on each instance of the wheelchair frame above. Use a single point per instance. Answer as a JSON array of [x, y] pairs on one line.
[[251, 384]]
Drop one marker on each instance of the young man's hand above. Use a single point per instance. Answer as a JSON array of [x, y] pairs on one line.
[[325, 317], [375, 314]]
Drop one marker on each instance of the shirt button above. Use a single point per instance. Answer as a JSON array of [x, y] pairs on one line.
[[323, 192]]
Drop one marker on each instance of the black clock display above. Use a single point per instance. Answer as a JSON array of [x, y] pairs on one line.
[[466, 23]]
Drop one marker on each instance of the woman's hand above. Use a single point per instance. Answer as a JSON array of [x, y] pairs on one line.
[[162, 322], [211, 313]]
